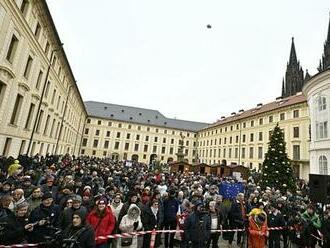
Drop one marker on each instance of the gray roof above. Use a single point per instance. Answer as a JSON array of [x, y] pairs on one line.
[[139, 115]]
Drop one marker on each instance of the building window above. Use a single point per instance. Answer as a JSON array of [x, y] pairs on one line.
[[156, 139], [46, 125], [282, 116], [2, 92], [295, 132], [296, 152], [99, 122], [270, 119], [118, 135], [126, 146], [145, 149], [82, 151], [37, 31], [244, 138], [323, 165], [322, 103], [88, 121], [252, 123], [236, 139], [261, 121], [119, 125], [47, 46], [244, 124], [12, 49], [230, 139], [147, 138], [116, 145], [321, 130], [28, 67], [29, 117], [156, 130], [260, 136], [260, 153], [84, 143], [129, 126], [106, 144], [163, 150], [24, 7], [97, 132], [105, 153], [171, 150], [95, 143], [109, 124], [53, 97], [86, 130], [148, 129], [128, 136], [229, 153], [108, 133], [154, 149], [224, 152], [243, 152], [236, 152], [251, 137], [138, 137], [139, 128], [164, 140], [6, 147], [94, 152], [224, 141], [251, 152], [296, 113], [47, 89], [16, 110]]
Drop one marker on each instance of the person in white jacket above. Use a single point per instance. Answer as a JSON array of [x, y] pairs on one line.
[[131, 222]]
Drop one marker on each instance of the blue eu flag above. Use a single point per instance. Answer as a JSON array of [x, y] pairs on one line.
[[230, 190]]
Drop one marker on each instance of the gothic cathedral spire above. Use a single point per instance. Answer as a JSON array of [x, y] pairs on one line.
[[325, 61], [294, 76]]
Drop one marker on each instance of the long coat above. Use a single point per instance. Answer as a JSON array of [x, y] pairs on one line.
[[257, 234], [127, 224], [197, 228], [102, 226]]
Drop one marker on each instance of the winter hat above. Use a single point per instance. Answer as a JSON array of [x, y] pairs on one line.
[[77, 198], [14, 168], [82, 213], [46, 196]]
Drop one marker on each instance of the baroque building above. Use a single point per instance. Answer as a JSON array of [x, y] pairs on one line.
[[317, 91], [41, 109], [130, 133]]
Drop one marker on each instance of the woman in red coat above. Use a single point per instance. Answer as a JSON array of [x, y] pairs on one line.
[[103, 222], [258, 230]]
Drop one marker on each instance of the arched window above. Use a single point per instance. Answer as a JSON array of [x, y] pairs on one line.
[[321, 103], [323, 165]]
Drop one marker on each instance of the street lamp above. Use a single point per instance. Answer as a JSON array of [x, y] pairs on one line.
[[42, 97]]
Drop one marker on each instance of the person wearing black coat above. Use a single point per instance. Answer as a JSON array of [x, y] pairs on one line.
[[237, 218], [152, 218], [171, 207], [14, 227], [79, 234], [275, 219], [197, 227], [66, 216], [46, 216]]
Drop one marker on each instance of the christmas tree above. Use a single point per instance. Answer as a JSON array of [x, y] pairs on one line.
[[276, 170]]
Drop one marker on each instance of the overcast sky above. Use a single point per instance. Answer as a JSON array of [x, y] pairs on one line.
[[161, 55]]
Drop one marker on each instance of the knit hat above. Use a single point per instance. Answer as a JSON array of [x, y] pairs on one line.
[[81, 213], [46, 196], [77, 198]]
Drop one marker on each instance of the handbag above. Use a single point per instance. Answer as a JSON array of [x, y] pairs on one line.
[[126, 241]]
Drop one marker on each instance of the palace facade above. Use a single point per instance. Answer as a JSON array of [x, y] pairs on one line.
[[41, 109]]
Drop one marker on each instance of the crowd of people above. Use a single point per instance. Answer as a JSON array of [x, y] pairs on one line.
[[68, 201]]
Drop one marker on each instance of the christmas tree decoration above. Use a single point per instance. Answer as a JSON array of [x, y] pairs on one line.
[[276, 170]]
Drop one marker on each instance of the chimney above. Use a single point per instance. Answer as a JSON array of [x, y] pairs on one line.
[[241, 111], [233, 113], [278, 99], [259, 105], [223, 117]]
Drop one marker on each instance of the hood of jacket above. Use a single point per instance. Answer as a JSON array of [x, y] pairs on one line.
[[133, 212]]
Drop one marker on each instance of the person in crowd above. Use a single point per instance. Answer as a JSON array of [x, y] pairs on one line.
[[131, 222], [79, 234], [102, 221], [132, 199], [275, 219], [152, 219], [171, 208], [215, 220], [34, 199], [45, 218], [49, 186], [186, 209], [237, 218], [257, 230], [197, 226], [66, 215], [116, 205], [325, 229], [311, 225], [18, 197]]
